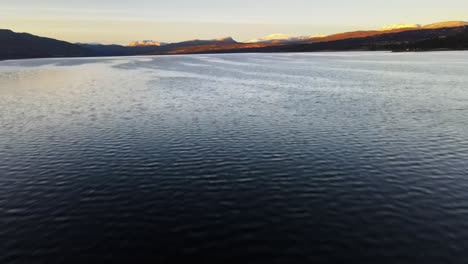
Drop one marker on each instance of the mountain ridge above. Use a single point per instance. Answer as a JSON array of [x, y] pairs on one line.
[[446, 24], [23, 45]]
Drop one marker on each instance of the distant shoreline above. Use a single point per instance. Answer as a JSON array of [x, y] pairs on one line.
[[429, 50], [219, 53]]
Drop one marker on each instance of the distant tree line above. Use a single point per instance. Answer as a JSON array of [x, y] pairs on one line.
[[454, 42]]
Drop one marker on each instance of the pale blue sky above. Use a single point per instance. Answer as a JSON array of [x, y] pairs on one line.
[[120, 21]]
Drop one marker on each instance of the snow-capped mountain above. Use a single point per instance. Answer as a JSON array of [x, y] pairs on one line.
[[145, 43], [224, 39], [446, 24], [149, 43], [400, 26], [278, 38], [283, 39], [319, 36]]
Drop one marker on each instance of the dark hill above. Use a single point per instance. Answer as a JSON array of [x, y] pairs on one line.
[[454, 42], [118, 50], [22, 45]]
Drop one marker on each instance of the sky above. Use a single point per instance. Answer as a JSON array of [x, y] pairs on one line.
[[122, 21]]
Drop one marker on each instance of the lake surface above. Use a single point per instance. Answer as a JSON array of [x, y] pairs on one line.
[[247, 158]]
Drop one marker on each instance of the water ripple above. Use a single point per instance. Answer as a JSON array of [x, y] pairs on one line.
[[267, 158]]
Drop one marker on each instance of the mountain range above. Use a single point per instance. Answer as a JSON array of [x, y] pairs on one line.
[[393, 37], [278, 38]]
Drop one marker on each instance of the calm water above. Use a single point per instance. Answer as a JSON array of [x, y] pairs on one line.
[[324, 157]]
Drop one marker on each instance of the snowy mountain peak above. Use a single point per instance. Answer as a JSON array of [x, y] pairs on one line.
[[277, 38], [225, 39], [145, 43], [446, 24], [400, 26]]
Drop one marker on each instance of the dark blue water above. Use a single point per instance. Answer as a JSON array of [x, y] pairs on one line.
[[292, 158]]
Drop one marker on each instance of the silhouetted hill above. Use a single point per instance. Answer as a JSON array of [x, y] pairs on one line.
[[22, 45], [118, 50], [197, 42]]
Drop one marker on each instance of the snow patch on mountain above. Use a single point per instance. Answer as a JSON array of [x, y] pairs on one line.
[[446, 24], [400, 26], [319, 36]]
